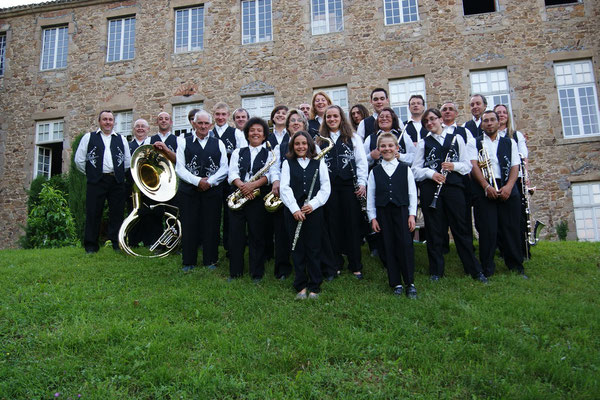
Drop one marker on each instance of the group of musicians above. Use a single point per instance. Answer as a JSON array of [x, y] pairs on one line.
[[341, 180]]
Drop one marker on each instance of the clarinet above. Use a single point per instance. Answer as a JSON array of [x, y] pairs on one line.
[[444, 174]]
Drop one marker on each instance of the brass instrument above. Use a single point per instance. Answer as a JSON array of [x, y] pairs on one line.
[[236, 200], [533, 226], [272, 203], [154, 176], [312, 186], [485, 164], [444, 172]]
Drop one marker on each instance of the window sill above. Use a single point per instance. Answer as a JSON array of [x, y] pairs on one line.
[[578, 140], [119, 61], [403, 23], [54, 69]]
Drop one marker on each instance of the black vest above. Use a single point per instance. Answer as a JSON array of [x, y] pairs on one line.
[[95, 156], [171, 141], [202, 162], [504, 154], [301, 179], [244, 162], [369, 125], [133, 145], [340, 160], [391, 189], [228, 139], [459, 130], [283, 147], [313, 127], [435, 155], [476, 131], [412, 131]]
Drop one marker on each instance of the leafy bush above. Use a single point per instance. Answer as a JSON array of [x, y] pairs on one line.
[[77, 187], [59, 182], [50, 223], [562, 228]]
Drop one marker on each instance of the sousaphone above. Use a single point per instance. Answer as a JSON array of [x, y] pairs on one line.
[[154, 176]]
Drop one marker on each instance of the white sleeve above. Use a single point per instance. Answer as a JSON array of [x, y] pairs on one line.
[[367, 146], [362, 167], [522, 145], [275, 170], [371, 209], [411, 150], [463, 165], [240, 139], [325, 187], [421, 173], [218, 177], [360, 131], [412, 193], [471, 146], [234, 171], [180, 169], [286, 194], [81, 153], [514, 154], [127, 153]]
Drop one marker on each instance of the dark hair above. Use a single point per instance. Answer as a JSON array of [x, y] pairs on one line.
[[311, 152], [299, 113], [490, 112], [378, 90], [345, 129], [192, 113], [280, 107], [395, 122], [104, 111], [256, 121], [430, 110], [482, 98], [237, 110], [416, 96], [363, 111]]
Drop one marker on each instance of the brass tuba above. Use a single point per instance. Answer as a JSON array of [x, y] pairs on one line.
[[154, 176]]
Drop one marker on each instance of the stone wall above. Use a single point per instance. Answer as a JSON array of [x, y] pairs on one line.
[[443, 46]]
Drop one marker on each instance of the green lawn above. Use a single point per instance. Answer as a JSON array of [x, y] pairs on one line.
[[107, 326]]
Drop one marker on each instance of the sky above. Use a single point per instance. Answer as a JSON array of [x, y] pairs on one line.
[[12, 3]]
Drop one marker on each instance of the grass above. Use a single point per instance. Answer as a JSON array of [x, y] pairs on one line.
[[108, 326]]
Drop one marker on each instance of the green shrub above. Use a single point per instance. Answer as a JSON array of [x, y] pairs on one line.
[[562, 228], [57, 182], [76, 184], [50, 223]]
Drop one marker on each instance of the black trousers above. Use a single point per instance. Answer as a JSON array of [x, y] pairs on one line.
[[494, 219], [397, 239], [283, 267], [252, 216], [343, 218], [200, 220], [226, 189], [306, 256], [96, 194], [450, 212]]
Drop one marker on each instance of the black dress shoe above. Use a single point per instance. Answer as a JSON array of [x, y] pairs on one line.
[[282, 278], [358, 276], [411, 292], [481, 278], [434, 278], [522, 273], [399, 290]]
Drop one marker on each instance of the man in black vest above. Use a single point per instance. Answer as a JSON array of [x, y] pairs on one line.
[[240, 117], [497, 212], [478, 104], [103, 156], [164, 140], [201, 166], [414, 127], [305, 108], [379, 100]]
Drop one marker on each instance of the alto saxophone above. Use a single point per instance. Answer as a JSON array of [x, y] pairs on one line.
[[236, 200]]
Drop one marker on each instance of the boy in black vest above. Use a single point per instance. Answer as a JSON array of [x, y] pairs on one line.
[[478, 104], [497, 212], [164, 140], [103, 156], [414, 127], [379, 99], [392, 207]]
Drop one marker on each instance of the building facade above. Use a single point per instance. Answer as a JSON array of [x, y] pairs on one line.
[[64, 61]]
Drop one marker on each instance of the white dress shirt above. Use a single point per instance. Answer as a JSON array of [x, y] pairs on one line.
[[521, 144], [240, 139], [192, 179], [107, 162], [287, 194], [390, 167], [471, 145], [491, 147], [164, 137], [360, 130], [143, 142], [406, 157], [462, 166], [360, 158], [234, 171]]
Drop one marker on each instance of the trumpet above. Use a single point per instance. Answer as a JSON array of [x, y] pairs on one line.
[[485, 164], [236, 200], [445, 172], [533, 226]]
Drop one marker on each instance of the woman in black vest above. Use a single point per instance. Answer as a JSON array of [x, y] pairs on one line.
[[305, 188], [347, 164], [244, 164], [320, 102]]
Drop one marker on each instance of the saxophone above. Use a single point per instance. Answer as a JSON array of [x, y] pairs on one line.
[[236, 200]]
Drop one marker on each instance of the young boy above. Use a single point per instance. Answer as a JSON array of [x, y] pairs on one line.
[[392, 206]]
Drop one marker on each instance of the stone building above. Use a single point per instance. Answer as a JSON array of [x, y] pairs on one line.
[[63, 61]]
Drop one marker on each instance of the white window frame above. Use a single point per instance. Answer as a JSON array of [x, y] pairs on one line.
[[575, 76], [494, 85], [337, 94], [123, 123], [181, 125], [2, 52], [396, 11], [117, 49], [326, 22], [258, 33], [190, 32], [53, 132], [55, 48], [259, 106], [400, 91], [586, 207]]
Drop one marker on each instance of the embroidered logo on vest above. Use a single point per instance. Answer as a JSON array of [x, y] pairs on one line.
[[92, 156], [120, 157], [193, 167]]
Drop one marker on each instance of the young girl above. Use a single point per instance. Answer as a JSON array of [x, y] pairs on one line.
[[298, 173], [392, 206]]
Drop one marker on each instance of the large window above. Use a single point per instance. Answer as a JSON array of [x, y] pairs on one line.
[[189, 29], [2, 51], [55, 44], [493, 84], [327, 16], [586, 201], [399, 11], [578, 98], [256, 21], [181, 125], [123, 123], [48, 150], [400, 92], [259, 106], [121, 39], [338, 96]]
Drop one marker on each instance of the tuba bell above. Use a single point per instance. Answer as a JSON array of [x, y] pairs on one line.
[[154, 176]]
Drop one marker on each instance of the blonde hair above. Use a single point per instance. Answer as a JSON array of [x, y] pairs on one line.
[[387, 135], [313, 115]]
